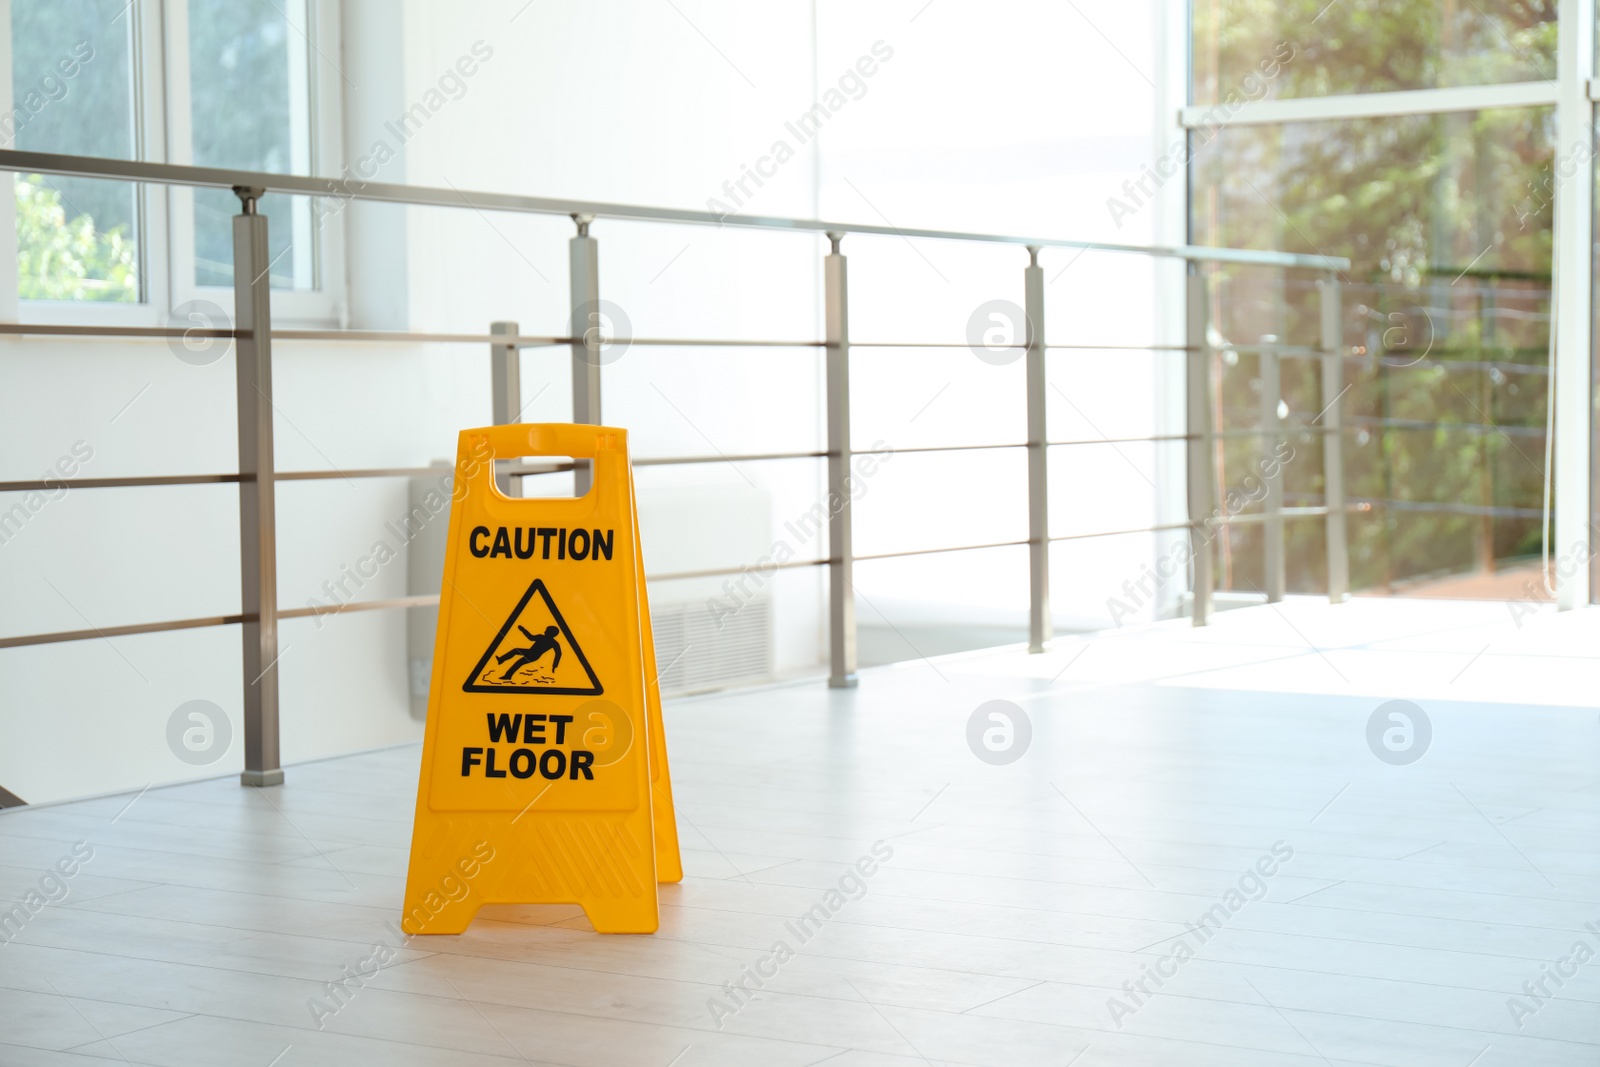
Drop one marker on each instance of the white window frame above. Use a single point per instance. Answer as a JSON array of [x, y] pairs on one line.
[[1572, 95], [150, 206], [320, 37], [166, 213]]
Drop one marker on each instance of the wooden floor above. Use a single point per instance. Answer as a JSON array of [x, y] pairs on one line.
[[1019, 907]]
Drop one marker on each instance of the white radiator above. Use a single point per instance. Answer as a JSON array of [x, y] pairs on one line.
[[694, 654]]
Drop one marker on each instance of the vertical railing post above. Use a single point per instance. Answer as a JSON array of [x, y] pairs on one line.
[[1038, 449], [1202, 477], [584, 260], [505, 390], [841, 550], [258, 560], [1333, 437], [1272, 473]]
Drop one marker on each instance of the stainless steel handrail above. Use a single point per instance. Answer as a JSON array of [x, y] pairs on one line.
[[143, 481], [122, 631], [426, 600], [332, 188], [254, 338], [26, 329]]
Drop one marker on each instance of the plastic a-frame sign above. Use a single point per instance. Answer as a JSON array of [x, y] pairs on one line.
[[544, 773]]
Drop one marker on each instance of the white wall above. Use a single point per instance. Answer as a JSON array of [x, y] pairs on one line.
[[1011, 118], [1016, 117]]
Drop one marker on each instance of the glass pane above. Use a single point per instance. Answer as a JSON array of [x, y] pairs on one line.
[[1446, 328], [1254, 49], [72, 92], [250, 108]]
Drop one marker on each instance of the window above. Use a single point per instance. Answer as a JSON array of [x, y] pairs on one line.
[[1446, 217], [251, 50], [72, 91], [1369, 46], [241, 89]]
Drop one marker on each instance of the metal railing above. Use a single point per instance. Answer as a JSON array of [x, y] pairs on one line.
[[254, 337], [1413, 343]]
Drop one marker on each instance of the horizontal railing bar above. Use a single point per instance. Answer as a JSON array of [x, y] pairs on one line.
[[116, 483], [1452, 364], [329, 188], [1442, 507], [422, 600], [1264, 348], [1421, 361], [955, 448], [1367, 505], [158, 332], [752, 457], [409, 472], [1122, 533], [662, 461], [1157, 439], [370, 472], [1051, 444], [667, 461], [1411, 362], [937, 344], [535, 341], [1017, 348], [389, 336], [1466, 427], [141, 481], [690, 342], [935, 551], [39, 329], [120, 631], [1251, 518], [722, 572], [408, 337], [281, 476], [1285, 430], [1386, 423], [1119, 348], [428, 600], [531, 470], [672, 576]]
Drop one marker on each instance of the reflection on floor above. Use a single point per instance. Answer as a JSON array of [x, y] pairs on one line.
[[1207, 854], [880, 642], [1510, 581]]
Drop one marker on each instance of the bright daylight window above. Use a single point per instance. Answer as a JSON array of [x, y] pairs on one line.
[[249, 101], [1372, 46], [1447, 221], [72, 78], [244, 84]]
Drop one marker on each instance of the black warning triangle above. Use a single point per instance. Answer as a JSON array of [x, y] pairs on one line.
[[534, 652]]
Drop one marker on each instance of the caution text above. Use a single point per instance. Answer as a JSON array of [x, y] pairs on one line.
[[522, 542]]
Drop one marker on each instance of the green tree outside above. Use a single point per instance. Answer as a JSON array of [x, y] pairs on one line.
[[1447, 222]]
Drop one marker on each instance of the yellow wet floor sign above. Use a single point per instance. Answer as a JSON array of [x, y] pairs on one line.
[[544, 770]]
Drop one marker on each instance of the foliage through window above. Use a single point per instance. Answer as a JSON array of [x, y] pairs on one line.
[[72, 78], [76, 69], [1369, 46], [1446, 313], [251, 111]]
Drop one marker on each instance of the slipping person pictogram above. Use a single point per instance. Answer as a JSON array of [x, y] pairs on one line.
[[546, 658], [537, 647]]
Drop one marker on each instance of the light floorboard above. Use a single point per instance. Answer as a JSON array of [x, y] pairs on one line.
[[1023, 908]]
